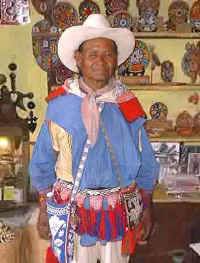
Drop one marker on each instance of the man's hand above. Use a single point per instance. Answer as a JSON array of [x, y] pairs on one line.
[[147, 218], [147, 223]]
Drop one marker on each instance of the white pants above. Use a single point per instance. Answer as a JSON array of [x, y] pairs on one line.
[[109, 253]]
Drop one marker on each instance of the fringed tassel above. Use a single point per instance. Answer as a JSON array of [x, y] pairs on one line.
[[93, 218], [108, 227], [83, 226], [130, 240], [98, 223], [102, 229], [113, 224], [50, 257], [120, 219]]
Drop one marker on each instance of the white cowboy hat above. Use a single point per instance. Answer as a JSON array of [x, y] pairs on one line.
[[95, 26]]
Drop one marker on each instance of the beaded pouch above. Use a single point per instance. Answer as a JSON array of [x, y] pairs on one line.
[[62, 230]]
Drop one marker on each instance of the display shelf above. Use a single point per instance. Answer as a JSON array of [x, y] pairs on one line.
[[160, 86], [166, 35], [161, 196], [176, 138]]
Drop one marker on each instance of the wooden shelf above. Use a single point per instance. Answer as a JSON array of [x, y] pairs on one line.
[[175, 139], [165, 35], [160, 196], [162, 87]]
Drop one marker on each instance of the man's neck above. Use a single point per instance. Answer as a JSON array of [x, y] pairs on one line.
[[95, 85]]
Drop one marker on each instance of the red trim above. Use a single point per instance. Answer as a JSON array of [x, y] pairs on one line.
[[131, 109], [55, 93], [50, 257]]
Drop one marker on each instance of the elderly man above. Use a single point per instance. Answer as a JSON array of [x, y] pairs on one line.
[[92, 158]]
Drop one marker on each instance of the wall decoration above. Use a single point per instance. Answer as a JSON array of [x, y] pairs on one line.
[[64, 15], [137, 62], [195, 16], [43, 7], [57, 75], [167, 71], [86, 8], [122, 19], [178, 14], [158, 124], [194, 98], [196, 123], [185, 150], [12, 101], [184, 124], [167, 154], [44, 42], [158, 111], [14, 12], [194, 164], [191, 61], [147, 19], [113, 6]]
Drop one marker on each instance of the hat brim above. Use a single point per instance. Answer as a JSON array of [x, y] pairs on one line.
[[74, 36]]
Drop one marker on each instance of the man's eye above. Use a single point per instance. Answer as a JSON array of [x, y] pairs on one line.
[[107, 54]]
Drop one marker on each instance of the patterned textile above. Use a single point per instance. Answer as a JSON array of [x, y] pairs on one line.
[[14, 12], [100, 213]]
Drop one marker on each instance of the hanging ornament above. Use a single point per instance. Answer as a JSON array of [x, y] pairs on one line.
[[86, 8], [64, 15]]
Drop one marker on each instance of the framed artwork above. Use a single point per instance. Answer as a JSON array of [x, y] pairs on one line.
[[185, 151], [194, 164], [167, 154]]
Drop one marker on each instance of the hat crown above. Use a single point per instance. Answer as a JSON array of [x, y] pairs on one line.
[[96, 21]]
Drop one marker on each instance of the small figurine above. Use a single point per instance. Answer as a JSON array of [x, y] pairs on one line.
[[167, 71], [184, 124], [147, 19], [137, 62], [196, 121], [113, 6], [178, 14], [195, 16], [191, 61]]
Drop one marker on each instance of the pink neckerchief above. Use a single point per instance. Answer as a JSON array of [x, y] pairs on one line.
[[89, 109], [114, 92]]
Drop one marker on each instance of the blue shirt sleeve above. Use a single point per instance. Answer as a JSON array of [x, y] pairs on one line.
[[149, 168], [42, 163]]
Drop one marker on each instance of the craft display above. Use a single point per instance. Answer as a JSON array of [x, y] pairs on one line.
[[191, 61], [123, 19], [113, 6], [158, 111], [44, 43], [64, 15], [196, 124], [195, 16], [86, 8], [167, 71], [6, 233], [158, 123], [14, 12], [137, 62], [194, 98], [184, 124], [147, 19], [57, 75], [178, 16], [43, 7]]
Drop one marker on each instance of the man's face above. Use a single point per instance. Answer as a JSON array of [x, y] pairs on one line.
[[97, 59]]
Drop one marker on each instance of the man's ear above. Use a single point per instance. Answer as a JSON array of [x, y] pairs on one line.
[[78, 58]]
